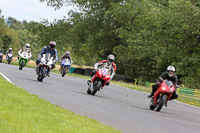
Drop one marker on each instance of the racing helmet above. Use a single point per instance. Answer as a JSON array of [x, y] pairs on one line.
[[110, 58], [52, 44], [67, 53], [170, 71], [27, 46]]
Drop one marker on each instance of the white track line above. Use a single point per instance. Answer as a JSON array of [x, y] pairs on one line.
[[6, 78]]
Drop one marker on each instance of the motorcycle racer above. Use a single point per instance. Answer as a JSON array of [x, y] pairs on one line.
[[9, 51], [169, 75], [109, 64], [66, 56], [25, 48], [48, 49]]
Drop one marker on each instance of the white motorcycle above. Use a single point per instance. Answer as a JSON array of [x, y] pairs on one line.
[[9, 57], [1, 57], [44, 67], [65, 66]]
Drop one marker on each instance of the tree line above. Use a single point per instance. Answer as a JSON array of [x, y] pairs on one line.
[[145, 36]]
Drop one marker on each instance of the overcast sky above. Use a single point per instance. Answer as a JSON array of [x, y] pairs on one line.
[[31, 10]]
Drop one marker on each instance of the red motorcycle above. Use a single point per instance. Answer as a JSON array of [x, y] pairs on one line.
[[99, 81], [162, 95]]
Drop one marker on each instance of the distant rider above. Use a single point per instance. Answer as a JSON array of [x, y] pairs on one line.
[[65, 56], [168, 75], [9, 51], [26, 48], [109, 64], [48, 49], [1, 56]]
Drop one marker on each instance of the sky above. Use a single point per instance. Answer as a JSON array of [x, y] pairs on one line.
[[31, 10]]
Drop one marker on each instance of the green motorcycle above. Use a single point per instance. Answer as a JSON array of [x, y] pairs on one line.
[[24, 57]]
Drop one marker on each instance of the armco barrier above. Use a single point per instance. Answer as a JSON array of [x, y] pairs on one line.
[[195, 93], [186, 91], [72, 69], [88, 72]]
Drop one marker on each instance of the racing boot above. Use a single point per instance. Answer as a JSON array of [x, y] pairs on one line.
[[37, 69], [90, 86], [150, 95]]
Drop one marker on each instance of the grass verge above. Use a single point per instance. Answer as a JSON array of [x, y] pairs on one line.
[[21, 112]]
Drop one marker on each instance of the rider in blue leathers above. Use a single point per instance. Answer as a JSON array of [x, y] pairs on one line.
[[48, 49]]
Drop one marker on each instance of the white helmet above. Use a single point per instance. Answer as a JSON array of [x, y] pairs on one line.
[[10, 49], [67, 53], [111, 58], [28, 46], [170, 71], [52, 44]]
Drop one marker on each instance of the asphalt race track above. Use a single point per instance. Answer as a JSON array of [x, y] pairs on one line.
[[124, 109]]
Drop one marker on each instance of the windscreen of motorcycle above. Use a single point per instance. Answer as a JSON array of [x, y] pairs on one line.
[[105, 72], [169, 83], [47, 56], [66, 62], [24, 54], [9, 54]]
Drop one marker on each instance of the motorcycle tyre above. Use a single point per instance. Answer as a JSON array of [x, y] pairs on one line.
[[21, 65], [162, 101], [63, 72], [41, 76], [96, 87]]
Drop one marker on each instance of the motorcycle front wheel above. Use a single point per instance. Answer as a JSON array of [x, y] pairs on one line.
[[162, 100], [21, 65], [63, 72], [9, 60], [96, 87], [41, 75]]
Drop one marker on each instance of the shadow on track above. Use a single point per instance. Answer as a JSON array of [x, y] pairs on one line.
[[85, 93]]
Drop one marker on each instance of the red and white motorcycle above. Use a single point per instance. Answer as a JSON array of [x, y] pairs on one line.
[[100, 79]]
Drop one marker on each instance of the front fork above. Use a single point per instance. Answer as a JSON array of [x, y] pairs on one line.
[[155, 101]]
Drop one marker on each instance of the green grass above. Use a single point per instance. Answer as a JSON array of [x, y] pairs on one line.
[[21, 112]]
